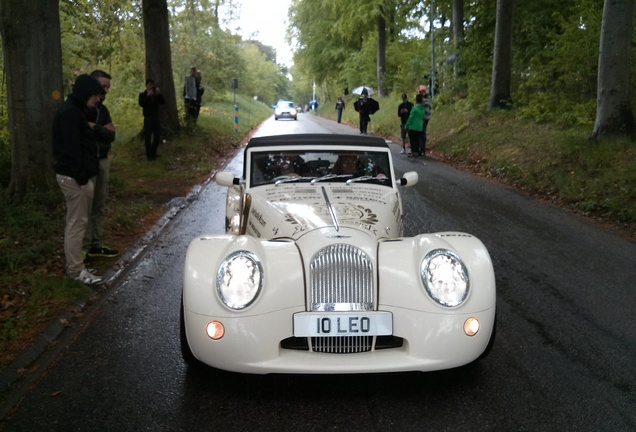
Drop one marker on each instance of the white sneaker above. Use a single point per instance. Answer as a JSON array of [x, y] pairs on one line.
[[402, 151], [88, 278]]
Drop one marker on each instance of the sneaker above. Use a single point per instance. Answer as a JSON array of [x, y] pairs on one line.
[[402, 151], [103, 252], [88, 278], [410, 154]]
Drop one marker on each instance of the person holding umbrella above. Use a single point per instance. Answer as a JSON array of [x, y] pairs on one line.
[[365, 106]]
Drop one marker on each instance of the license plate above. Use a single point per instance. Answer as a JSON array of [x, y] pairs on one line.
[[343, 324]]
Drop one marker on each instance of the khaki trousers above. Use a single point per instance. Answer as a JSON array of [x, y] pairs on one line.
[[78, 204], [95, 229]]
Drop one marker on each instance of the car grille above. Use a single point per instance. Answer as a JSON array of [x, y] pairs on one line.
[[341, 279]]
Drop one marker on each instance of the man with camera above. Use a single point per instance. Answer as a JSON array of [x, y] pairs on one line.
[[150, 100]]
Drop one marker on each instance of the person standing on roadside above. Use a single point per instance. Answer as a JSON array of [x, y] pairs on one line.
[[190, 96], [362, 106], [100, 121], [76, 163], [149, 100], [340, 106], [427, 116], [415, 124], [200, 91], [404, 109]]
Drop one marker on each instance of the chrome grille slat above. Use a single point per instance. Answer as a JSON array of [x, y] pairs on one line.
[[341, 279]]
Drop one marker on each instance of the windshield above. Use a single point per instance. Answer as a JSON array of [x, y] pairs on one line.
[[271, 167]]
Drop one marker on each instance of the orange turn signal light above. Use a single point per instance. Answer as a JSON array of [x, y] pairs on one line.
[[471, 326], [215, 330]]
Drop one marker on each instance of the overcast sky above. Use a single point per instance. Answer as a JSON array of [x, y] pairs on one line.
[[266, 21]]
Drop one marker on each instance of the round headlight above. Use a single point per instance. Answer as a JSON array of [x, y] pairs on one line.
[[239, 279], [445, 277]]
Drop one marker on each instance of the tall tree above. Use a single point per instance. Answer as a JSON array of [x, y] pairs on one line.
[[381, 62], [500, 96], [614, 113], [458, 32], [33, 61], [159, 58]]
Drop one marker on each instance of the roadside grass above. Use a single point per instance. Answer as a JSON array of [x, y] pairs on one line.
[[33, 288], [596, 179]]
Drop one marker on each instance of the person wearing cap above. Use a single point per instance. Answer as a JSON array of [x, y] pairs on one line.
[[76, 164], [404, 109]]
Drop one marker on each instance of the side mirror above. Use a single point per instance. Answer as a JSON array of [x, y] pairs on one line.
[[409, 179], [226, 179]]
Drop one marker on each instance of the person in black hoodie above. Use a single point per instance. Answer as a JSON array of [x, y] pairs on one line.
[[76, 162], [150, 100]]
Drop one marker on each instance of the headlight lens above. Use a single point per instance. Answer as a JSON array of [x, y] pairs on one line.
[[445, 277], [239, 279]]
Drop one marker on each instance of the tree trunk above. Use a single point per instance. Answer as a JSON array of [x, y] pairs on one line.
[[33, 68], [159, 59], [614, 115], [502, 58], [458, 33], [381, 64]]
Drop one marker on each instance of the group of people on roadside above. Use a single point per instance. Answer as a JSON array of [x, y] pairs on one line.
[[413, 119], [414, 122], [82, 136]]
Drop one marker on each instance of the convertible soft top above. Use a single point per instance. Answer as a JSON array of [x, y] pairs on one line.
[[316, 139]]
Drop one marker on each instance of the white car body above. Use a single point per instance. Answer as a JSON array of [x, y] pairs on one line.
[[313, 274]]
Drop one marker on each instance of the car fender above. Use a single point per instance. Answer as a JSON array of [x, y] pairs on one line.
[[399, 278], [283, 279]]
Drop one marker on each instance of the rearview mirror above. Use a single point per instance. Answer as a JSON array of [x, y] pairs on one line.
[[225, 179], [409, 179]]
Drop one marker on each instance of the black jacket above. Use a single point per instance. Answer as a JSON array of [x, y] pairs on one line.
[[75, 149], [104, 137], [150, 104]]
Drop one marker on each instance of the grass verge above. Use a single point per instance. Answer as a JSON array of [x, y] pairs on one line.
[[33, 288], [596, 179]]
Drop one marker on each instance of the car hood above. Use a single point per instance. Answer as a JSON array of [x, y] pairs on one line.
[[294, 209]]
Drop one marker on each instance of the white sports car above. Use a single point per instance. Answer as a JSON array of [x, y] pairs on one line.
[[313, 274]]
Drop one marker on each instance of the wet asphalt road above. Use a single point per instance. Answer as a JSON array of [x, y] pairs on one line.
[[564, 359]]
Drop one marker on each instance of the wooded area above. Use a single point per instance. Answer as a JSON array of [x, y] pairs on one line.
[[566, 62]]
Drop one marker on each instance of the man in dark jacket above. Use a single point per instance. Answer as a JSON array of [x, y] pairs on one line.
[[362, 106], [404, 109], [99, 119], [76, 162], [150, 100]]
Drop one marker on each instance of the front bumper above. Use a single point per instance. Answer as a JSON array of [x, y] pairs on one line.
[[253, 344]]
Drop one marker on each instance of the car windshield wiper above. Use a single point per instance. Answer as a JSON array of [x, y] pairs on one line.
[[289, 179], [329, 177], [381, 178]]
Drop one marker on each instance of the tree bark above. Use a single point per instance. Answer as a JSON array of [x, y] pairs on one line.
[[31, 44], [159, 59], [381, 62], [502, 58], [614, 115], [458, 33]]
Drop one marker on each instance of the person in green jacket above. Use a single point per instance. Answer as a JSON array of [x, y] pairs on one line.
[[415, 125]]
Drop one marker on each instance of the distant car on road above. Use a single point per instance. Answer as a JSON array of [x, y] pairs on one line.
[[285, 109], [313, 274]]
